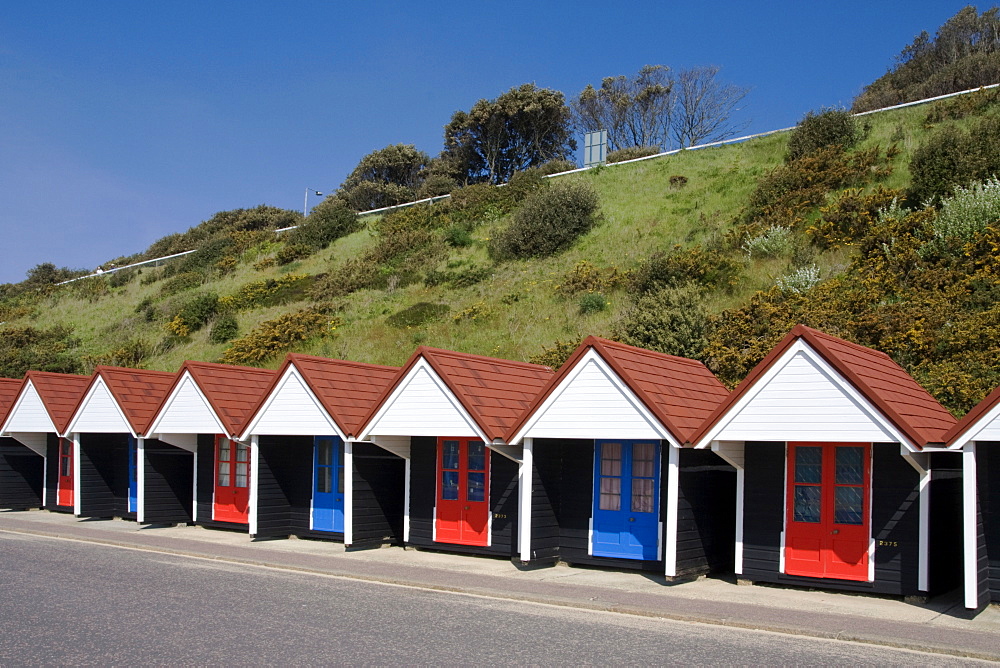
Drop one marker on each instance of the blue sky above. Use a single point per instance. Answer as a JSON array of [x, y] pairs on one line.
[[122, 122]]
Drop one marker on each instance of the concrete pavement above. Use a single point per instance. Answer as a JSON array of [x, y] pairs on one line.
[[941, 625]]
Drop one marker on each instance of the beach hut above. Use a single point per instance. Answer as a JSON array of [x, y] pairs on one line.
[[446, 414], [121, 473], [21, 468], [204, 412], [836, 484], [605, 479], [38, 420], [977, 437], [312, 479]]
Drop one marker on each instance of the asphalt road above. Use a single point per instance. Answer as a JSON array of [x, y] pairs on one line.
[[66, 602]]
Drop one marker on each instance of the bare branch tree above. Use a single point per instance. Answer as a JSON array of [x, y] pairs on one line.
[[635, 111], [705, 107]]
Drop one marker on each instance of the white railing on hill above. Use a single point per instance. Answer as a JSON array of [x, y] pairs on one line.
[[438, 198]]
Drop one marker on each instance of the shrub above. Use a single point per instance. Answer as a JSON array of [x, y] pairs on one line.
[[548, 221], [182, 282], [434, 185], [131, 354], [478, 311], [964, 215], [632, 152], [585, 277], [799, 281], [224, 329], [264, 263], [458, 278], [592, 302], [26, 348], [670, 320], [207, 255], [773, 242], [198, 310], [418, 314], [557, 355], [951, 157], [677, 182], [555, 167], [679, 266], [457, 236], [291, 252], [272, 337], [955, 108], [269, 292], [850, 216], [829, 127], [328, 221]]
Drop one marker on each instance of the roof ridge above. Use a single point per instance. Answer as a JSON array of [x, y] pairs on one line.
[[647, 352], [441, 352], [340, 362]]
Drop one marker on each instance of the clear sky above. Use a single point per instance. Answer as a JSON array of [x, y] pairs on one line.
[[122, 122]]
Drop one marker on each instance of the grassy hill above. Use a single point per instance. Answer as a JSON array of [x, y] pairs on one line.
[[509, 309]]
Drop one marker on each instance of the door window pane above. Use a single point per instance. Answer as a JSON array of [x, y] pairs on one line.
[[477, 487], [323, 480], [477, 456], [242, 452], [850, 468], [808, 465], [449, 485], [64, 446], [807, 503], [449, 459], [611, 459], [340, 479], [223, 474], [64, 466], [611, 492], [642, 495], [242, 474], [643, 460], [325, 455], [224, 450], [848, 505]]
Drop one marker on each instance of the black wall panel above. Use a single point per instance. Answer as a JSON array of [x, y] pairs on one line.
[[21, 476], [379, 482], [169, 483]]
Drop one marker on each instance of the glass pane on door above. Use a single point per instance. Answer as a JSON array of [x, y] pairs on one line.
[[807, 503]]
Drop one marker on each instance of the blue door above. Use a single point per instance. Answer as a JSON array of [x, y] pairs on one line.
[[133, 485], [626, 499], [328, 484]]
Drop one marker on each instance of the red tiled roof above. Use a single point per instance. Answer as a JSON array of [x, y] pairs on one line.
[[138, 392], [680, 392], [232, 391], [347, 390], [494, 391], [9, 389], [971, 418], [60, 393], [907, 405]]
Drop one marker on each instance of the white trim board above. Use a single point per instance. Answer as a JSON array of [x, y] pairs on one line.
[[801, 397], [986, 428], [593, 402]]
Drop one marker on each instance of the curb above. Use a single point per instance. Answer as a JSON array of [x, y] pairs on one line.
[[526, 598]]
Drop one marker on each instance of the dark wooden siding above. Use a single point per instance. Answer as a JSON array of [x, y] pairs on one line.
[[284, 485], [946, 563], [379, 484], [21, 476], [546, 493], [988, 473], [169, 482], [423, 487], [104, 475], [895, 522], [706, 513]]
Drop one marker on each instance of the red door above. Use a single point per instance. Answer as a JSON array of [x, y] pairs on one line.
[[232, 481], [64, 486], [827, 530], [463, 494]]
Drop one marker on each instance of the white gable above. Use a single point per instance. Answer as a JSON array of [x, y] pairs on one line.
[[99, 413], [422, 405], [292, 410], [592, 402], [802, 398], [29, 414], [986, 428], [186, 411]]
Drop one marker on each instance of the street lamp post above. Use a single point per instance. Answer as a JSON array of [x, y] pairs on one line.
[[305, 200]]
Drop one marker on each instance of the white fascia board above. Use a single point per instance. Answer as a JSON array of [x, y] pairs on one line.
[[182, 384], [372, 428], [800, 346], [291, 373], [592, 356], [970, 435], [29, 399], [100, 386]]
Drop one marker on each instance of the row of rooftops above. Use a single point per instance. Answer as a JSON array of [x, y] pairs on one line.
[[501, 396]]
